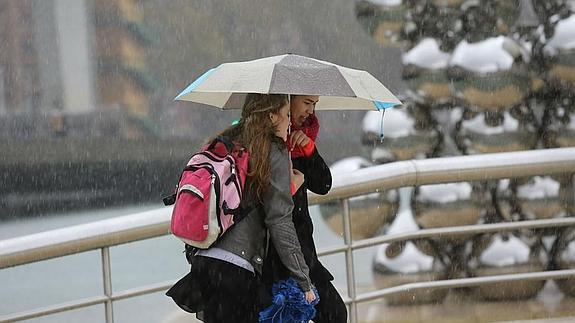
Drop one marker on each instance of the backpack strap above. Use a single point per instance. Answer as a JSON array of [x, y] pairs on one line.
[[190, 252], [223, 139], [238, 213], [171, 199]]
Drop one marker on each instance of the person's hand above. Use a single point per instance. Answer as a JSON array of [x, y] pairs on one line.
[[309, 296], [298, 138], [297, 178]]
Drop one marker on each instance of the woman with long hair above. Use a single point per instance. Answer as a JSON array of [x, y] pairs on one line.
[[224, 283], [306, 158]]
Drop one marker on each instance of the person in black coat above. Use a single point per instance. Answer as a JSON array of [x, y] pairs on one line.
[[317, 178]]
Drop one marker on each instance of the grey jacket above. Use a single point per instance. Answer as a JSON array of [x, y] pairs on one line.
[[248, 238]]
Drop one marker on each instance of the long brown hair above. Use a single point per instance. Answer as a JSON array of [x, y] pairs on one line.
[[256, 132]]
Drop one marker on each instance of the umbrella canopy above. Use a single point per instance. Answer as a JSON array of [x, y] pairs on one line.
[[339, 88]]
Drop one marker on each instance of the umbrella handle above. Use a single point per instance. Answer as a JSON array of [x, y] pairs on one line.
[[381, 135]]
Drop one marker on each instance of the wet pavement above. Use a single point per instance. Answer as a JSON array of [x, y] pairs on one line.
[[550, 305]]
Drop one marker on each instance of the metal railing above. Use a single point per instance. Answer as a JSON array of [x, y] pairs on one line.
[[104, 234]]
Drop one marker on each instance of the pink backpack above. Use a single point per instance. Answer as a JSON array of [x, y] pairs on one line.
[[208, 195]]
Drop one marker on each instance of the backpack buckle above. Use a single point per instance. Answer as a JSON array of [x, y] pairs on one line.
[[169, 200]]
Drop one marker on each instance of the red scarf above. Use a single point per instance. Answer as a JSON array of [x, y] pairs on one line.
[[310, 128]]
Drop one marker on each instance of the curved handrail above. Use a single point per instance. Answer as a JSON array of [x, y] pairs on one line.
[[120, 230], [448, 170]]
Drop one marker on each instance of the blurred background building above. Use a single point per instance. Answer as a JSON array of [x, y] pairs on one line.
[[87, 88], [63, 58]]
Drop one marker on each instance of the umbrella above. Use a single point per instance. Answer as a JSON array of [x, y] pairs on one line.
[[339, 88], [289, 304]]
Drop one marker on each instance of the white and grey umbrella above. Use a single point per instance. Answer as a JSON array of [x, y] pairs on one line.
[[339, 88]]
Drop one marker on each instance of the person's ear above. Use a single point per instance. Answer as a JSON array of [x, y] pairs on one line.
[[273, 117]]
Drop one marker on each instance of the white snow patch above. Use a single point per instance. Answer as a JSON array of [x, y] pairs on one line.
[[381, 154], [571, 125], [538, 188], [569, 254], [411, 260], [503, 185], [478, 125], [455, 115], [388, 3], [564, 36], [488, 56], [444, 193], [427, 55], [397, 123], [505, 253], [404, 222]]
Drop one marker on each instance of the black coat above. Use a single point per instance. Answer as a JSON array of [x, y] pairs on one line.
[[318, 180]]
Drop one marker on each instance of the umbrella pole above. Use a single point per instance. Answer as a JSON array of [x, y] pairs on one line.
[[289, 114], [289, 125]]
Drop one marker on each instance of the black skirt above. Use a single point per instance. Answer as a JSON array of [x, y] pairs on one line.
[[219, 291], [186, 294]]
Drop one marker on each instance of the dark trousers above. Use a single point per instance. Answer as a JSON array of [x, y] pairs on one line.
[[331, 307], [230, 293]]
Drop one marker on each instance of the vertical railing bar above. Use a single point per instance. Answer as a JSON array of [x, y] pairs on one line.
[[572, 189], [349, 264], [107, 276]]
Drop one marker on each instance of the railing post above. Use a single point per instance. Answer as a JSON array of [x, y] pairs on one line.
[[349, 264], [107, 276], [571, 199]]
